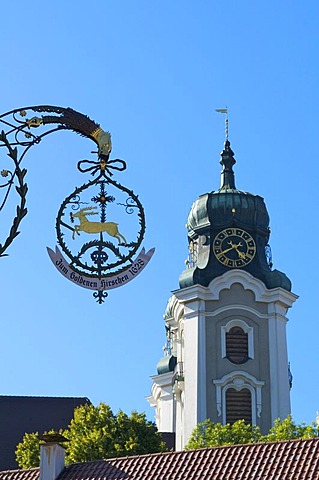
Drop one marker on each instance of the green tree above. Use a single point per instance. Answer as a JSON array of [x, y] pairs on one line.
[[209, 434], [91, 433], [287, 429], [95, 433], [135, 435], [28, 451]]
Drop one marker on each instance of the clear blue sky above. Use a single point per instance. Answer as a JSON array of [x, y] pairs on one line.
[[152, 72]]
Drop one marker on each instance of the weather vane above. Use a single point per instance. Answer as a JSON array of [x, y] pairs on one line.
[[99, 253], [225, 111]]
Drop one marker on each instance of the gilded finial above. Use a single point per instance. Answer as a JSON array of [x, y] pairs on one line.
[[225, 111]]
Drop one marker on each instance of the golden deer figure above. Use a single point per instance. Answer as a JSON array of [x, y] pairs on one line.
[[95, 227]]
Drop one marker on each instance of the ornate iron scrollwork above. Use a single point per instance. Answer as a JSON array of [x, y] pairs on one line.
[[106, 259]]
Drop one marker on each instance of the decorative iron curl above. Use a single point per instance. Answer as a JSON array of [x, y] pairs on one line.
[[100, 295], [7, 173], [129, 205], [76, 203]]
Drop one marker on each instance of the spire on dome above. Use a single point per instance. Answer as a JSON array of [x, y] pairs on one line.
[[227, 160], [227, 181]]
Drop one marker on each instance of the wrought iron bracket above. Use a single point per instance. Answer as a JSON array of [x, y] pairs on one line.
[[99, 263]]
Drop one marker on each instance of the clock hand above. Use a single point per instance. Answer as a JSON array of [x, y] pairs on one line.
[[233, 246], [227, 250], [240, 254]]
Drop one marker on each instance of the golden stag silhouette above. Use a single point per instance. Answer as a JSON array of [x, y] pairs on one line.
[[95, 227]]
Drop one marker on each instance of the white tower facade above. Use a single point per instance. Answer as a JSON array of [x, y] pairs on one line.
[[226, 352]]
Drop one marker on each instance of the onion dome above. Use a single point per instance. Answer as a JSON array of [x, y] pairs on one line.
[[228, 208], [166, 364]]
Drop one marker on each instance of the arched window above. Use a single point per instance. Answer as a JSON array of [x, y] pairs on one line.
[[237, 341], [237, 345], [238, 396], [238, 405]]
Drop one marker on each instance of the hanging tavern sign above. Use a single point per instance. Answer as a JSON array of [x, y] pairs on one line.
[[101, 224]]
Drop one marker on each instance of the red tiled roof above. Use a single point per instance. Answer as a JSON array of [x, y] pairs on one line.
[[292, 460]]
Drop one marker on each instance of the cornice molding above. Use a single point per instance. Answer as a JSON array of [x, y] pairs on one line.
[[225, 281], [236, 306]]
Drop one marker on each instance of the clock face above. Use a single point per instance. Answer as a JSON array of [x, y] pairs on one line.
[[234, 247]]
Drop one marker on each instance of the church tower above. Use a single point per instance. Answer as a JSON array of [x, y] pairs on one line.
[[226, 349]]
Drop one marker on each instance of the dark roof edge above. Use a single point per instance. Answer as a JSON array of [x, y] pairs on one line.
[[46, 396]]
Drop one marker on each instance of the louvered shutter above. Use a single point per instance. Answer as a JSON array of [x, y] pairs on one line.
[[238, 405], [237, 345]]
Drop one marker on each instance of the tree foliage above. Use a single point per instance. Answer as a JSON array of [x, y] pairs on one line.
[[95, 433], [209, 434], [28, 451], [287, 429]]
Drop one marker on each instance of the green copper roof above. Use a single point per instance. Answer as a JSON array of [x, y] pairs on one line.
[[166, 364], [228, 205], [225, 208], [222, 209]]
